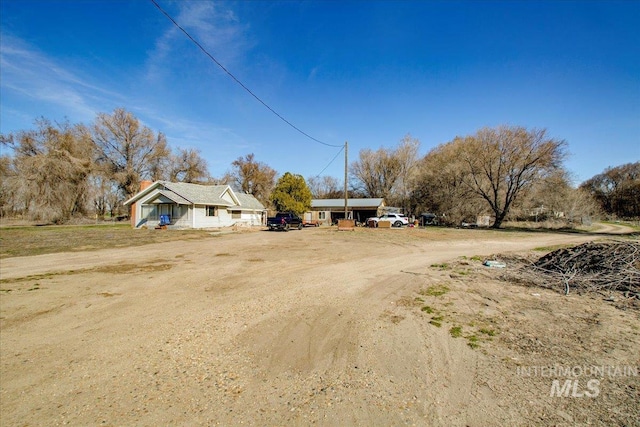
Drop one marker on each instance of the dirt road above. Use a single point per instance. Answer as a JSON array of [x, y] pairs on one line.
[[267, 328], [613, 229]]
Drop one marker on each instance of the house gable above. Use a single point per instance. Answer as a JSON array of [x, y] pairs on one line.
[[229, 196], [143, 193], [165, 196], [158, 198]]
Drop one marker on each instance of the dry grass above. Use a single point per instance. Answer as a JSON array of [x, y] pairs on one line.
[[30, 240], [34, 240]]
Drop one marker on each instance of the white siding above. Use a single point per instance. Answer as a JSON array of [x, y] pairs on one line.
[[250, 218], [188, 216], [222, 219]]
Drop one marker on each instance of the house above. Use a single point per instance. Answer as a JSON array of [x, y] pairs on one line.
[[329, 211], [184, 205]]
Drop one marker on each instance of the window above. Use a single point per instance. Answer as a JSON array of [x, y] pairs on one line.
[[322, 215], [149, 212], [236, 214], [211, 211]]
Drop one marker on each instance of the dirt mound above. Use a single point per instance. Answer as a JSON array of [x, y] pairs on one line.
[[594, 267]]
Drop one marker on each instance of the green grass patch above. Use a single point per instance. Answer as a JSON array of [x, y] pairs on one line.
[[551, 248], [473, 341], [456, 331], [434, 291], [442, 266], [436, 321], [486, 331], [427, 309]]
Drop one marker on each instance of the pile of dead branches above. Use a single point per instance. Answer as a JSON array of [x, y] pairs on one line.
[[604, 267]]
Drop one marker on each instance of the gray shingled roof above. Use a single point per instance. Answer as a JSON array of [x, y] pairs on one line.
[[211, 195], [249, 202], [352, 203], [175, 197], [199, 194], [195, 194]]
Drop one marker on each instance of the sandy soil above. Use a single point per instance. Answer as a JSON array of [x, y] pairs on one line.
[[312, 326]]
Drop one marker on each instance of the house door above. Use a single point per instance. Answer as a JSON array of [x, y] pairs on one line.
[[165, 209]]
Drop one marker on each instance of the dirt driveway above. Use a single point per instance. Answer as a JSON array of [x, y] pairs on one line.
[[372, 327]]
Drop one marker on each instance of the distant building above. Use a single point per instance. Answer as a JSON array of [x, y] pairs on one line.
[[329, 211]]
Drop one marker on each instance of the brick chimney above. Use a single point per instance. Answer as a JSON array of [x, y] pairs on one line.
[[132, 215]]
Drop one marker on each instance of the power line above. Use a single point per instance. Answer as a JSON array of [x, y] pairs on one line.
[[236, 79], [332, 160]]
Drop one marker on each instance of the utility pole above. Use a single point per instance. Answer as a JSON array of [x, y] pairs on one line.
[[346, 196]]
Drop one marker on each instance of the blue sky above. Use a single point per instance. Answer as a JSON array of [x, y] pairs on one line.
[[366, 72]]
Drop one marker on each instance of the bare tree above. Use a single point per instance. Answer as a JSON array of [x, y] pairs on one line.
[[494, 166], [376, 172], [554, 198], [131, 152], [407, 154], [8, 202], [579, 207], [498, 164], [325, 187], [548, 193], [105, 194], [252, 177], [387, 172], [438, 187], [186, 165], [48, 175]]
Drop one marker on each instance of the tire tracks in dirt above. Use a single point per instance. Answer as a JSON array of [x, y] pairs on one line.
[[259, 328]]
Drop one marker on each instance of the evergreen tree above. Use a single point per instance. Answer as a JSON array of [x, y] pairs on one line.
[[291, 194]]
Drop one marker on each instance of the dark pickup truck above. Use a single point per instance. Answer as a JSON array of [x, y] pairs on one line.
[[284, 221]]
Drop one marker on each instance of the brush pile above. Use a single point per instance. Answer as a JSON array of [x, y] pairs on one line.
[[604, 267]]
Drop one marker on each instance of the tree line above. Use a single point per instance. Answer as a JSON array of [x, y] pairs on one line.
[[617, 190], [496, 172], [58, 171]]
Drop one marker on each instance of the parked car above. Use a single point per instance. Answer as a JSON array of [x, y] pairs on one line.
[[284, 221], [468, 224], [428, 219], [396, 220]]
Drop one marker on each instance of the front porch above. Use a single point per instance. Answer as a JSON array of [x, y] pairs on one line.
[[179, 216]]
